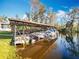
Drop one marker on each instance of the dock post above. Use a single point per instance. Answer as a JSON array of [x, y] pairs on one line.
[[14, 34]]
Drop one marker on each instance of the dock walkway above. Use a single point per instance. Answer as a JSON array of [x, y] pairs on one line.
[[35, 51]]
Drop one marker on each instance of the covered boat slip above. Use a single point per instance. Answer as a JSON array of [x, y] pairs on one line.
[[37, 50], [33, 27]]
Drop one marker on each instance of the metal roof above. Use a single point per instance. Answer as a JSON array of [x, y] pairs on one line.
[[26, 23]]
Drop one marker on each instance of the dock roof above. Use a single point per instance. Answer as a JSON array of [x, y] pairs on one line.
[[28, 23]]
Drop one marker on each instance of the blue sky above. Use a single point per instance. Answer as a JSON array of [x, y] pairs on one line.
[[19, 7]]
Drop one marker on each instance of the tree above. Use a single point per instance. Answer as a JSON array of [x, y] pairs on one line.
[[72, 17]]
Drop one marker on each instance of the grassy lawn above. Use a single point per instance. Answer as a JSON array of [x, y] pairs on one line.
[[6, 50], [5, 35], [5, 32]]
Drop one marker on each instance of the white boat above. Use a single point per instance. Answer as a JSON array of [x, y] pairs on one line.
[[51, 34], [19, 41], [23, 40]]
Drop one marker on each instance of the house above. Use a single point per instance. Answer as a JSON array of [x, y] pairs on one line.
[[4, 24]]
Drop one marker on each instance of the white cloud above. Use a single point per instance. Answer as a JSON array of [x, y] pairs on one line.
[[25, 17], [60, 13]]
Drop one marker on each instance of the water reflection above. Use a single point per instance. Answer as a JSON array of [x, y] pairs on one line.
[[69, 45], [73, 46]]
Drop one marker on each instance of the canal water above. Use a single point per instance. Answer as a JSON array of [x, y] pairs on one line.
[[65, 47], [68, 46]]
